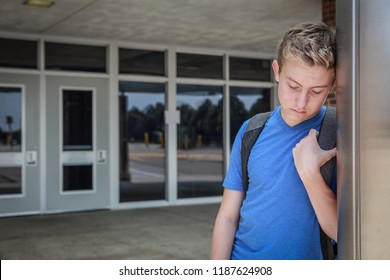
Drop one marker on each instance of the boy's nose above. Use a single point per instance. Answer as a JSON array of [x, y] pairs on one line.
[[301, 99]]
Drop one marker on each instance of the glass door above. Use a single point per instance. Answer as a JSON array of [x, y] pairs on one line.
[[19, 143], [78, 144]]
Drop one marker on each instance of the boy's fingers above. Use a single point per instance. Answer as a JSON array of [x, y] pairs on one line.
[[313, 133], [330, 154]]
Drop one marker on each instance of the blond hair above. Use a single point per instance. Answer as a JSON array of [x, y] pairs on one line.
[[310, 43]]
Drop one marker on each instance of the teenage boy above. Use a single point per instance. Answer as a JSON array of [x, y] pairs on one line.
[[278, 217]]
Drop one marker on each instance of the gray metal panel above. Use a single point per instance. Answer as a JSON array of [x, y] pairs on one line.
[[374, 120], [347, 154], [363, 103]]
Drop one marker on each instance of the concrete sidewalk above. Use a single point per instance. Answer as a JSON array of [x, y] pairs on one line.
[[177, 232]]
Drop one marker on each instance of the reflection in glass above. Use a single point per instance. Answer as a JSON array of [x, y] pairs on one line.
[[245, 103], [142, 152], [77, 177], [10, 119], [200, 160], [10, 180], [77, 120]]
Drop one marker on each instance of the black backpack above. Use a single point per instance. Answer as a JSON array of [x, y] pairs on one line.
[[326, 140]]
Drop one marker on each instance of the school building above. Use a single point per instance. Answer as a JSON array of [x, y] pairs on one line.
[[124, 104], [119, 104]]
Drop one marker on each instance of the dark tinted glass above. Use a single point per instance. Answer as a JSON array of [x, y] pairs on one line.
[[249, 69], [199, 66], [77, 177], [75, 57], [141, 62], [18, 53], [77, 120]]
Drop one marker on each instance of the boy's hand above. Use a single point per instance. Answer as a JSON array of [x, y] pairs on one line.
[[309, 157]]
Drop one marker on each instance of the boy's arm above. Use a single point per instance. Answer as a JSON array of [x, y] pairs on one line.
[[308, 159], [226, 225]]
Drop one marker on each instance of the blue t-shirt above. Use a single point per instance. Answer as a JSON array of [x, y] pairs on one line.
[[277, 218]]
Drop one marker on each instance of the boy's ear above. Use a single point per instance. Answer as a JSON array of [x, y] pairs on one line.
[[275, 67]]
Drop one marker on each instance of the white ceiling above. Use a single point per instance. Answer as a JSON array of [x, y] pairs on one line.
[[239, 25]]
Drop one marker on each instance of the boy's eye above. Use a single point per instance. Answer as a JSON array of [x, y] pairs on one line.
[[316, 91], [293, 87]]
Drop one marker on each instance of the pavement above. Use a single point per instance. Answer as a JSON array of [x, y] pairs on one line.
[[164, 233]]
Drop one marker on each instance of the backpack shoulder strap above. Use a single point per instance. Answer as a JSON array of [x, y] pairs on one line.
[[252, 132], [327, 141]]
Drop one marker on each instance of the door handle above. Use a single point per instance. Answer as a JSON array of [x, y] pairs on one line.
[[101, 156], [31, 158]]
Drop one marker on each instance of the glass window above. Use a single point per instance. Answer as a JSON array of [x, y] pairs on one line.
[[77, 120], [142, 134], [142, 62], [199, 140], [18, 53], [77, 177], [10, 180], [59, 56], [10, 119], [249, 69], [245, 103], [199, 66]]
